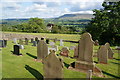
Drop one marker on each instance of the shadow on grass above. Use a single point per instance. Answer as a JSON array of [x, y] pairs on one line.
[[66, 65], [34, 72], [31, 55], [115, 63], [111, 75], [12, 52], [116, 59]]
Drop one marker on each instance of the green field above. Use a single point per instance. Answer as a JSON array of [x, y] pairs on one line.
[[25, 67]]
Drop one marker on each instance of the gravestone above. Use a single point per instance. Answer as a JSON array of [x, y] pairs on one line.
[[2, 43], [34, 43], [72, 47], [64, 51], [16, 50], [20, 41], [52, 43], [53, 67], [47, 41], [85, 55], [76, 52], [103, 54], [5, 42], [32, 40], [42, 50], [21, 46], [26, 41], [61, 42], [55, 40], [53, 47], [15, 40], [96, 43], [37, 40], [110, 52]]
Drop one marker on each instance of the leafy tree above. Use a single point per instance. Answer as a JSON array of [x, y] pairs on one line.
[[105, 26]]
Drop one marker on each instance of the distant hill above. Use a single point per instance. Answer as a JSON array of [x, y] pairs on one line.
[[75, 16]]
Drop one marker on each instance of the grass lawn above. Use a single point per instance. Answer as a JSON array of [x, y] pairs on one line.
[[25, 66]]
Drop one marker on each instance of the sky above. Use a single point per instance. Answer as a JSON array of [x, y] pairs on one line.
[[46, 8]]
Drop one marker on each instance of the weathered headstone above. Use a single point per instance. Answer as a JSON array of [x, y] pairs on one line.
[[37, 40], [103, 54], [21, 46], [55, 40], [32, 40], [20, 41], [96, 43], [16, 50], [42, 50], [110, 52], [52, 43], [64, 51], [72, 47], [15, 40], [26, 41], [89, 75], [34, 43], [2, 43], [53, 47], [85, 55], [76, 52], [53, 67], [61, 42], [47, 41]]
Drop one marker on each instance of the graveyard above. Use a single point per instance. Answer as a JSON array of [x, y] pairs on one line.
[[28, 64]]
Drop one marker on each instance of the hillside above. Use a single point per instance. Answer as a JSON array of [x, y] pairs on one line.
[[75, 16]]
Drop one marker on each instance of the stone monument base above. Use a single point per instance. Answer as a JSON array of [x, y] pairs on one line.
[[84, 66]]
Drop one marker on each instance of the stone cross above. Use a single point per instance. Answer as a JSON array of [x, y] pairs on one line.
[[42, 50], [53, 67], [103, 54], [61, 42]]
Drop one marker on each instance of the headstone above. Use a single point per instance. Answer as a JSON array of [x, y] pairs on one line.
[[96, 43], [76, 52], [37, 40], [64, 51], [20, 41], [53, 67], [103, 54], [53, 47], [85, 54], [34, 43], [61, 42], [26, 41], [52, 43], [110, 52], [32, 40], [2, 43], [15, 40], [5, 42], [42, 50], [55, 40], [72, 47], [16, 50], [47, 41], [21, 46]]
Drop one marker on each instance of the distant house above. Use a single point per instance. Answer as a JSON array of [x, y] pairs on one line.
[[49, 27]]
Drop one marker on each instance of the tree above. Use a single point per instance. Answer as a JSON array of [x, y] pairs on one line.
[[105, 25]]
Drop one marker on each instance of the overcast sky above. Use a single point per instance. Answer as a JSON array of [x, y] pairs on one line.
[[46, 8]]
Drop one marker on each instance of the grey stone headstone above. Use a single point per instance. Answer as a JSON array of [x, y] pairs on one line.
[[42, 50], [21, 46], [61, 42], [2, 43], [34, 43], [53, 67], [26, 41], [103, 54], [32, 40], [15, 40], [85, 48]]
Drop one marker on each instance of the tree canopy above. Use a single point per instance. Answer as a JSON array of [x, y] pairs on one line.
[[105, 26]]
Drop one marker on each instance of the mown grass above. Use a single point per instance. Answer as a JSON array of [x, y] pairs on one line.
[[25, 67]]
